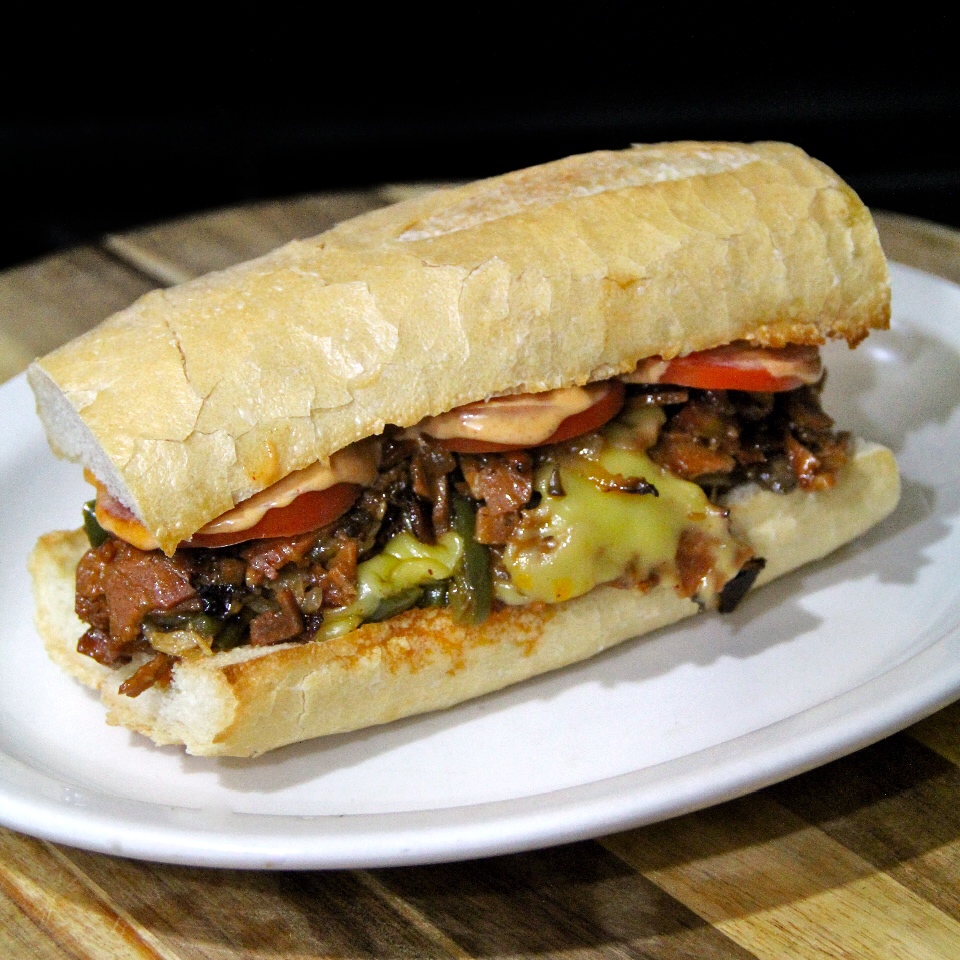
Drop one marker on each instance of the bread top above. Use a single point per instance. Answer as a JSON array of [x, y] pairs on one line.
[[196, 397]]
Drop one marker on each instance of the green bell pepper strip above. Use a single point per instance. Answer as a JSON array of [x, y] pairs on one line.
[[95, 533], [470, 593]]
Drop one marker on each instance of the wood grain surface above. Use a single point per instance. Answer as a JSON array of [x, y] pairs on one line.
[[858, 859]]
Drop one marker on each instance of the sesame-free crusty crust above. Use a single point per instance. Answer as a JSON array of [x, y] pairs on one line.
[[247, 701], [196, 397]]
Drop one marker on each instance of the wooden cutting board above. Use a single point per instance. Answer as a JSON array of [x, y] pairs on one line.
[[858, 859]]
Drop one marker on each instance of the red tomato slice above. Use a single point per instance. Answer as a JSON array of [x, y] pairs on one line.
[[310, 511], [736, 367], [606, 408]]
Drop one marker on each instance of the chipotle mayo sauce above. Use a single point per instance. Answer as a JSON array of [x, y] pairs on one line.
[[357, 463], [522, 420], [526, 419]]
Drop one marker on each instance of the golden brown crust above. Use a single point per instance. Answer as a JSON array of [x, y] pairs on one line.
[[543, 278], [247, 701]]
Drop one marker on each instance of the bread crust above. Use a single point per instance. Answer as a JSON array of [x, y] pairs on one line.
[[247, 701], [547, 277]]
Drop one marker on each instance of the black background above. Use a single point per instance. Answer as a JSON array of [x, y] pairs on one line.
[[117, 137]]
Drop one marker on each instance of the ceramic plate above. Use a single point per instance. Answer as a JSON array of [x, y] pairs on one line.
[[811, 667]]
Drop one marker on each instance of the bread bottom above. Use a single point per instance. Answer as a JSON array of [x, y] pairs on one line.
[[250, 700]]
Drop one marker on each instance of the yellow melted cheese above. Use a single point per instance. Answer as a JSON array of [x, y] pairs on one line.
[[404, 563], [572, 543]]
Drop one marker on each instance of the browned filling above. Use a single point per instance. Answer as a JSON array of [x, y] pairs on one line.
[[720, 439], [273, 591]]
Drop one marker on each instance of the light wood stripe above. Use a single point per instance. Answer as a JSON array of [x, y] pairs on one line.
[[111, 908], [894, 805], [411, 914], [398, 192], [782, 888], [919, 243], [46, 303], [14, 356], [181, 249], [146, 261], [20, 937], [64, 908]]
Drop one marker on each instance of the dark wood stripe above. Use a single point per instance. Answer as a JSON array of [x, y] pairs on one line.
[[941, 732], [557, 902], [895, 805], [240, 914]]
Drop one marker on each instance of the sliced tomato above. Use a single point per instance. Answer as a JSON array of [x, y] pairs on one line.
[[743, 367], [310, 511], [606, 407]]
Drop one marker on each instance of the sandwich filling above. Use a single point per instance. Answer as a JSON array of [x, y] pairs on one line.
[[515, 501]]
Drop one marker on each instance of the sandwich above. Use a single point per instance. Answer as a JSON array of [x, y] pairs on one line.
[[458, 442]]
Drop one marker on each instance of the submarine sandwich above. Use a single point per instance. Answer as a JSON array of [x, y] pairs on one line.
[[460, 441]]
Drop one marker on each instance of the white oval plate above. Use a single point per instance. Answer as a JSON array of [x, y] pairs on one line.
[[808, 669]]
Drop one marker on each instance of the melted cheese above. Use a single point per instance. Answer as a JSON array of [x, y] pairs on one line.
[[404, 563], [126, 527], [592, 534], [525, 419]]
